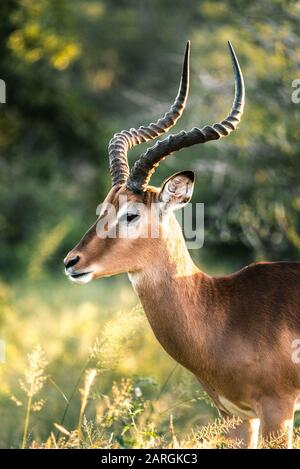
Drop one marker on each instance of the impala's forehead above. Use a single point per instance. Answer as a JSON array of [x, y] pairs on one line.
[[118, 197]]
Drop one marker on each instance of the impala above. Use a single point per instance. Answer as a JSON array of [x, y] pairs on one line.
[[235, 332]]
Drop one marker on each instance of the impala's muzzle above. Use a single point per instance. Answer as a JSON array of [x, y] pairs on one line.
[[70, 262], [76, 275]]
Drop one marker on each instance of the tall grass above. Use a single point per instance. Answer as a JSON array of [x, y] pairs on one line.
[[124, 419], [99, 380]]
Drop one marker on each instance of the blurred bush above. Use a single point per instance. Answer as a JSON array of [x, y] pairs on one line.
[[78, 71]]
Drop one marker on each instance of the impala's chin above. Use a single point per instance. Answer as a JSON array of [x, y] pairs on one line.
[[80, 277]]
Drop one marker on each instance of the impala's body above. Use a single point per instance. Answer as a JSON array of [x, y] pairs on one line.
[[235, 333]]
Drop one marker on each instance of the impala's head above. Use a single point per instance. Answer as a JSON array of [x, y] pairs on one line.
[[136, 218]]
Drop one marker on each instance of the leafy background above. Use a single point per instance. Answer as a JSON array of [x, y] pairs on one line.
[[76, 72]]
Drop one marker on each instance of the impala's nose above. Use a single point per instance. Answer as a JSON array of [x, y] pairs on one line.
[[70, 262]]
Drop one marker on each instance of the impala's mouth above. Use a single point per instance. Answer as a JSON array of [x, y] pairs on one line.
[[79, 277]]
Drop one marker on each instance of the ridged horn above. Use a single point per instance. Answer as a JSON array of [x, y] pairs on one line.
[[127, 139], [147, 163]]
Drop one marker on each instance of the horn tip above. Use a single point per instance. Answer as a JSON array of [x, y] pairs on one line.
[[233, 54], [230, 46]]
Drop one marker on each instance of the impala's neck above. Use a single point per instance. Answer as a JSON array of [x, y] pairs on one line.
[[170, 291]]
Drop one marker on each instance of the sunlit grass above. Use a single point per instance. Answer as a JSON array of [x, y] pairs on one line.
[[99, 378], [82, 328]]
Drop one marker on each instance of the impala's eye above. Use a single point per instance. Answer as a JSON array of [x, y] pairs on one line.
[[128, 217], [131, 216]]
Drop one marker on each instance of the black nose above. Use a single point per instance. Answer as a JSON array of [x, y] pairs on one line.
[[70, 262]]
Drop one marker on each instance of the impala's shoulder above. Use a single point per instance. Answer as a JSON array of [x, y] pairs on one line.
[[274, 269], [261, 270]]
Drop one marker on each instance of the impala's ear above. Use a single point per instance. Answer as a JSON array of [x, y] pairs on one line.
[[177, 190]]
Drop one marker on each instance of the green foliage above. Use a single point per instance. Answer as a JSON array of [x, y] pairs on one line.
[[76, 72]]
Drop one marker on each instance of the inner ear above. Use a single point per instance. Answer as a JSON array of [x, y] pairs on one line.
[[177, 190]]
